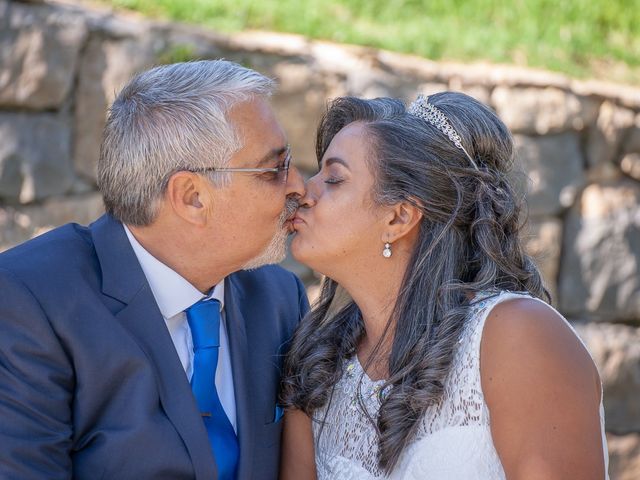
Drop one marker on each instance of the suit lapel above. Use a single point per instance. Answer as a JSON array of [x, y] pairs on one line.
[[124, 280], [242, 374]]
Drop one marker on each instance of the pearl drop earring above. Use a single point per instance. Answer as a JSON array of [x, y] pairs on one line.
[[386, 253]]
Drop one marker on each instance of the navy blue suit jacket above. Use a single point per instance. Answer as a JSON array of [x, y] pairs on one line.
[[91, 386]]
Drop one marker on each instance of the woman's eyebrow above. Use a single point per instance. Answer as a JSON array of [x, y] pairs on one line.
[[331, 160]]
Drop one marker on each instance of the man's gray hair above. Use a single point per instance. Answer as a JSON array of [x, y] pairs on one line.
[[167, 119]]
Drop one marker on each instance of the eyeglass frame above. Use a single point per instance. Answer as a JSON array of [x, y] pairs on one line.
[[282, 168]]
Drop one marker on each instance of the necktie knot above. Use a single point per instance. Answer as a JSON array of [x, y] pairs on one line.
[[204, 322]]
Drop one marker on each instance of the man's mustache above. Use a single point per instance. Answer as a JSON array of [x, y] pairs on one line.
[[290, 208]]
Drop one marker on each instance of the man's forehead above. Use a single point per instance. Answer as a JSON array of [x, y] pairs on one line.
[[255, 117], [255, 113], [259, 132]]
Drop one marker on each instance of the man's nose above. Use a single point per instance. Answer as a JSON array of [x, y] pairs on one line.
[[295, 183], [309, 198]]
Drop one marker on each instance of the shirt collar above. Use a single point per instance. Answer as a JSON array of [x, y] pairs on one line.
[[172, 292]]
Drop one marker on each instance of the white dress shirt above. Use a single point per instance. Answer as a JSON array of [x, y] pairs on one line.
[[174, 294]]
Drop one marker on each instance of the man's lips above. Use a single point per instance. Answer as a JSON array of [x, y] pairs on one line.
[[290, 222], [296, 220], [291, 217]]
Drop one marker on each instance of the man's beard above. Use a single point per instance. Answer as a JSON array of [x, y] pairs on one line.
[[276, 251]]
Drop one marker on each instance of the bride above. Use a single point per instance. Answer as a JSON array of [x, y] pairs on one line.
[[431, 352]]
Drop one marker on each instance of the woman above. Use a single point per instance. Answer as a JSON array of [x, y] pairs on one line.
[[431, 352]]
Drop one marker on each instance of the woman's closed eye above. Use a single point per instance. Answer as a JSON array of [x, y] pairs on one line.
[[334, 180]]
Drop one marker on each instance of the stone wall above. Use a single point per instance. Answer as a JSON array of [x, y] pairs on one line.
[[578, 145]]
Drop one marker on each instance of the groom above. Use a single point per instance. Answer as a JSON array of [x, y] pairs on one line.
[[111, 335]]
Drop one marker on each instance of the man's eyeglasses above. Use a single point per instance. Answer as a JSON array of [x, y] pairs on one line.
[[280, 170]]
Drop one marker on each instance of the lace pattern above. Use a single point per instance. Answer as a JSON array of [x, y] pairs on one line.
[[463, 402], [345, 437], [454, 436]]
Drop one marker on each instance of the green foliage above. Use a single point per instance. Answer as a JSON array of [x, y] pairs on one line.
[[578, 37], [177, 53]]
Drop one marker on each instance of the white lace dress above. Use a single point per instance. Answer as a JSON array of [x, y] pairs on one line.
[[454, 437]]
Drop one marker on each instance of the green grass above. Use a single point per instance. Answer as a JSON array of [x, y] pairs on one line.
[[583, 38]]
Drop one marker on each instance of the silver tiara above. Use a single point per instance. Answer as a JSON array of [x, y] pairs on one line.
[[423, 109]]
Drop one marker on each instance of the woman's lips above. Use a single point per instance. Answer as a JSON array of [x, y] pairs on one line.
[[296, 221]]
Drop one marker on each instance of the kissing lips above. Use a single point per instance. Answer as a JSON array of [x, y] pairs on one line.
[[296, 221]]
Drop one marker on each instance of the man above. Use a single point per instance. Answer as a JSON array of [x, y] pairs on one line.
[[112, 334]]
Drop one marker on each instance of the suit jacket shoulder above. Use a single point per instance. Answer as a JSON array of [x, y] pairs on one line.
[[273, 284], [53, 258]]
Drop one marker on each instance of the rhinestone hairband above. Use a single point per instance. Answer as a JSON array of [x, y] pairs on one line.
[[423, 109]]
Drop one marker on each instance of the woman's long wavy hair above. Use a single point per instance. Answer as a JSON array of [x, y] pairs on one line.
[[468, 243]]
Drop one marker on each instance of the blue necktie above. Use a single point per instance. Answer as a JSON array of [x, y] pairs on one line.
[[204, 321]]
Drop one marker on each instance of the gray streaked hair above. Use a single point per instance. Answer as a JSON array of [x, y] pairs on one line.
[[167, 119], [468, 243]]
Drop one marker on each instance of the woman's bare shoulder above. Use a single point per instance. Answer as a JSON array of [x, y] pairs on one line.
[[543, 393], [527, 337]]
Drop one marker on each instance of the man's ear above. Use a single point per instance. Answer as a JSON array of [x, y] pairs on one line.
[[401, 220], [187, 195]]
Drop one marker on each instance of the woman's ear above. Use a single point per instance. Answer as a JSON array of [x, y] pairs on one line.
[[187, 196], [401, 220]]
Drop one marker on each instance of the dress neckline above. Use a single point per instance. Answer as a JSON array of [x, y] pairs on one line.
[[355, 367], [354, 362]]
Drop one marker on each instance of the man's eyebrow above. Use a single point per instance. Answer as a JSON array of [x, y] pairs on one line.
[[332, 160], [272, 155]]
